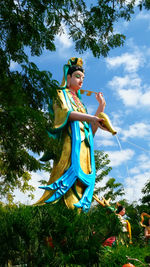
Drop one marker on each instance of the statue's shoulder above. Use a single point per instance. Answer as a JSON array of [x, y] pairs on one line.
[[60, 92]]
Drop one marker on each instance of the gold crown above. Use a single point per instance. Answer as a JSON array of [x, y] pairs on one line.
[[79, 61]]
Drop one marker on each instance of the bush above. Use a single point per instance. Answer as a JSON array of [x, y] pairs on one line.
[[25, 230], [119, 256]]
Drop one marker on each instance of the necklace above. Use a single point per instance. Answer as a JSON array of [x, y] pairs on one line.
[[76, 100]]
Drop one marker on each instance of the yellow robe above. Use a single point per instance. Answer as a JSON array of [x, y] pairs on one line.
[[61, 114]]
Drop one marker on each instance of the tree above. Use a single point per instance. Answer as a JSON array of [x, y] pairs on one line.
[[146, 191], [25, 94], [145, 4], [102, 169], [111, 188]]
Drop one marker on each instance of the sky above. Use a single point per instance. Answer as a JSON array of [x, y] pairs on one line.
[[123, 78]]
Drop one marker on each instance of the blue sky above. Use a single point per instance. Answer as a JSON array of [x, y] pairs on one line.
[[123, 77]]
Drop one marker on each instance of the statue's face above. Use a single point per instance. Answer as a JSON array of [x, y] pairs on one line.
[[75, 80], [122, 212]]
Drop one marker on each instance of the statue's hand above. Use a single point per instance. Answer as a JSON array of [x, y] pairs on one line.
[[102, 126], [95, 121], [100, 99]]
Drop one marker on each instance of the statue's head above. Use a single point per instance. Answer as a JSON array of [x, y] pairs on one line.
[[120, 210], [74, 64]]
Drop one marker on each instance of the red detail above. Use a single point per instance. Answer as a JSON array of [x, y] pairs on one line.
[[49, 241], [109, 241]]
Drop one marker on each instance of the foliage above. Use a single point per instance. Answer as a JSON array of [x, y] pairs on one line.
[[102, 165], [35, 24], [144, 4], [23, 124], [76, 238], [111, 189], [119, 256], [146, 191]]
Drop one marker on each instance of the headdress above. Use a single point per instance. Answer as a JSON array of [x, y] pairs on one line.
[[74, 64], [119, 208]]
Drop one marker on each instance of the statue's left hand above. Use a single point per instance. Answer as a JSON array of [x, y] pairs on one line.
[[100, 99]]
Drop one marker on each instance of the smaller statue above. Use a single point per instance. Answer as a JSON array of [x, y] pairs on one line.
[[126, 227], [147, 232], [147, 227]]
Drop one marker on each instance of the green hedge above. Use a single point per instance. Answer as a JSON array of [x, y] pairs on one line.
[[77, 238]]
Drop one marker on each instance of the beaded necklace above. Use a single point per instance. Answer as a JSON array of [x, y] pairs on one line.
[[76, 100]]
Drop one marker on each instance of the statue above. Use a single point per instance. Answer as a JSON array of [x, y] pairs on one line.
[[147, 227], [147, 232], [73, 175], [126, 227]]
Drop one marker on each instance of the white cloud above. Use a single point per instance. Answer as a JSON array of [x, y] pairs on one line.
[[134, 185], [134, 170], [143, 16], [145, 165], [117, 119], [119, 157], [136, 130], [134, 98], [104, 138], [137, 177], [141, 165], [130, 97], [130, 90], [91, 109], [137, 2], [104, 142], [131, 62], [64, 40], [145, 99], [127, 88], [142, 158], [103, 134], [127, 2], [128, 81], [64, 43]]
